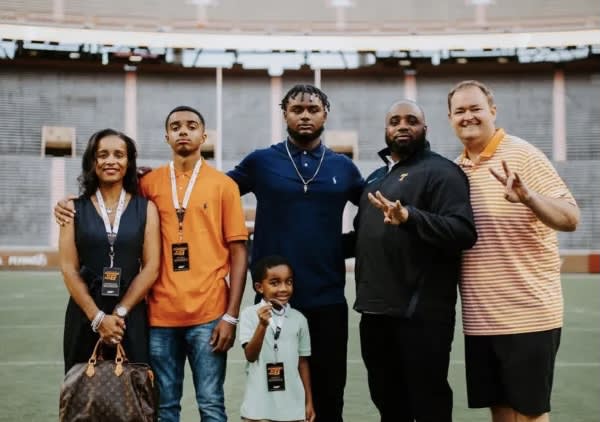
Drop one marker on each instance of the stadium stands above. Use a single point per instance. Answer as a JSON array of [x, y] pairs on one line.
[[308, 16], [45, 88], [25, 193], [89, 101]]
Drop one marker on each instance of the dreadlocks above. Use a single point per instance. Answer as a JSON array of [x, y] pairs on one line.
[[305, 89]]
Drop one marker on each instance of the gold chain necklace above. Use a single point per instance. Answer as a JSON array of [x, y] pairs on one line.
[[304, 182]]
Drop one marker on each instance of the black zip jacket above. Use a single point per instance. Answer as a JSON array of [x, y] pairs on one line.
[[413, 269]]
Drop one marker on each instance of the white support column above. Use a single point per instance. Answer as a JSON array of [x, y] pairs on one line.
[[276, 94], [318, 78], [410, 85], [58, 10], [57, 192], [340, 18], [480, 15], [131, 104], [219, 140], [559, 133]]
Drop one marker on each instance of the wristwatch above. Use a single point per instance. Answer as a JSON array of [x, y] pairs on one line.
[[121, 311]]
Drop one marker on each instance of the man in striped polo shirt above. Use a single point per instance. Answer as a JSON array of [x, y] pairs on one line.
[[510, 286]]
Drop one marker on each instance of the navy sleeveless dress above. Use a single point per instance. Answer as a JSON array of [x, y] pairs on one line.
[[92, 246]]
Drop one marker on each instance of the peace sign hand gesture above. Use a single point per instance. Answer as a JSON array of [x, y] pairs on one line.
[[515, 189], [393, 212]]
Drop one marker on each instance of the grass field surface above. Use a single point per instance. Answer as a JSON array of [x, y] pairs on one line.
[[32, 306]]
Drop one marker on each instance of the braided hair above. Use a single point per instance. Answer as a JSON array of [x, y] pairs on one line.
[[305, 89]]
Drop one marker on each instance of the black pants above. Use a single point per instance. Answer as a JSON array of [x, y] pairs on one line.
[[407, 363], [328, 326]]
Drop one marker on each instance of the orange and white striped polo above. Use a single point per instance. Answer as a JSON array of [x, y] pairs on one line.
[[511, 278]]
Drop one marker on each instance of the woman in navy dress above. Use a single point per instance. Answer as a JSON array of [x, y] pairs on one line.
[[110, 257]]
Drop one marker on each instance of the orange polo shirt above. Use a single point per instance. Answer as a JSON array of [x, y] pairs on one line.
[[213, 218], [511, 277]]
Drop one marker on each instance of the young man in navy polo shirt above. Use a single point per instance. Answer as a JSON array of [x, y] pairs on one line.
[[302, 187]]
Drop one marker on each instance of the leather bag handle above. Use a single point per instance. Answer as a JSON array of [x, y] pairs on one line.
[[119, 359]]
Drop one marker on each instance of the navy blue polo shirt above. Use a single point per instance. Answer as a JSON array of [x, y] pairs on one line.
[[305, 228]]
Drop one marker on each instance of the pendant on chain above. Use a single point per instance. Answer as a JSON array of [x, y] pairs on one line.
[[305, 188]]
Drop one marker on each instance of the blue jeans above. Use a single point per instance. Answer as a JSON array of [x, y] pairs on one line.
[[169, 348]]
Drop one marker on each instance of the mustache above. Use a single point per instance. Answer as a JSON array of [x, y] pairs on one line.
[[406, 148]]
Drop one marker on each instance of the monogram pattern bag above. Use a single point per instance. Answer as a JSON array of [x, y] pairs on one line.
[[109, 391]]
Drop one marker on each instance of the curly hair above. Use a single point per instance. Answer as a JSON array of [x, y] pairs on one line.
[[259, 269], [305, 89], [88, 179]]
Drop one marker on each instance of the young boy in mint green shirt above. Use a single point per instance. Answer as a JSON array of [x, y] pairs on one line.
[[276, 343]]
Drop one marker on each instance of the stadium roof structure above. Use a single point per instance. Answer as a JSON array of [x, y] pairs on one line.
[[318, 34], [266, 42]]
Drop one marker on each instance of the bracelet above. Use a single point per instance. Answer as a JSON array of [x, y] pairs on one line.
[[97, 321], [230, 319]]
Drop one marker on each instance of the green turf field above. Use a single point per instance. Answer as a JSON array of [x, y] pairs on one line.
[[31, 317]]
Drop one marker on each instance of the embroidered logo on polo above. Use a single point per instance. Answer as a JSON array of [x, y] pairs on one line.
[[402, 176]]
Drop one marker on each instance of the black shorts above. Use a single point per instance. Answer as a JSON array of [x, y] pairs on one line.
[[514, 370]]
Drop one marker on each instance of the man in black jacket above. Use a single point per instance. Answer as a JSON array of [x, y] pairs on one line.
[[414, 221]]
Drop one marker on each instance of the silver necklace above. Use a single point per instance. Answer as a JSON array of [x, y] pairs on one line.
[[304, 182]]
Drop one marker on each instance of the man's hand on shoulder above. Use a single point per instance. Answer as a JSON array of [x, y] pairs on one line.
[[64, 211], [142, 171]]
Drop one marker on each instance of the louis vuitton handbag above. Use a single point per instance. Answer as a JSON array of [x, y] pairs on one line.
[[109, 390]]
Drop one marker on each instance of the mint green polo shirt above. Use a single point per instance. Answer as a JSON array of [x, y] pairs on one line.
[[293, 342]]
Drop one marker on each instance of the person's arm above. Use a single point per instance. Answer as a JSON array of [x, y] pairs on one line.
[[111, 327], [243, 174], [304, 370], [150, 261], [254, 346], [237, 276], [557, 213], [358, 185], [448, 222], [349, 244], [223, 335], [64, 210]]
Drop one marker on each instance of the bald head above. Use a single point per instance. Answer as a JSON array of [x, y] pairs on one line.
[[406, 103], [405, 129]]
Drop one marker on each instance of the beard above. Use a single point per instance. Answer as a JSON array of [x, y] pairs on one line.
[[406, 149], [305, 138]]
